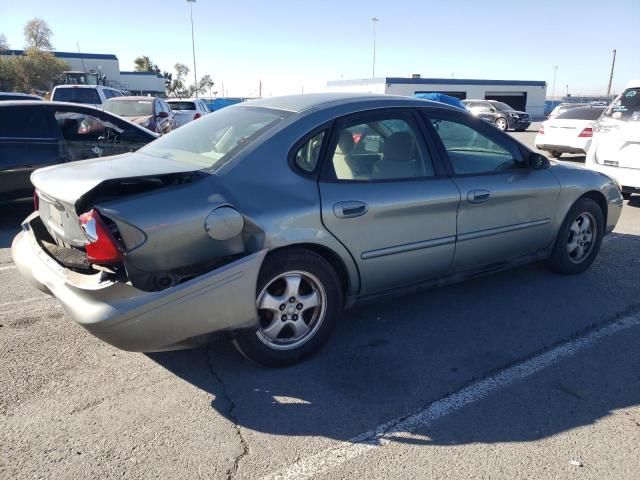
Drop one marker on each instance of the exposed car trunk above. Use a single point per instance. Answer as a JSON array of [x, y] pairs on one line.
[[121, 190]]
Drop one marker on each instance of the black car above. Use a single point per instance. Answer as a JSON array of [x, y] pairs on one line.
[[35, 134], [500, 114]]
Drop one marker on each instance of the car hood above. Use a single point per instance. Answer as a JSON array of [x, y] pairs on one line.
[[69, 181]]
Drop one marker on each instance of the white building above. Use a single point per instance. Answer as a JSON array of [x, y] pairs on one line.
[[109, 66], [522, 95]]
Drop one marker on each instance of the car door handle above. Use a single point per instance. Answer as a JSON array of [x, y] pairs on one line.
[[478, 196], [350, 209]]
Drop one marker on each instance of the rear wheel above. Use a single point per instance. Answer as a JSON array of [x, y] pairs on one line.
[[579, 238], [299, 300], [501, 124]]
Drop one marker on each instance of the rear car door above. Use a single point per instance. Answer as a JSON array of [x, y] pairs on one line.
[[26, 143], [387, 201], [506, 206]]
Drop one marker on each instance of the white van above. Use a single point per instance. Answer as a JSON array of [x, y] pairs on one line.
[[94, 95], [615, 149]]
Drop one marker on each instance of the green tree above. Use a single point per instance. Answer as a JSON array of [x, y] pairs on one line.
[[38, 35], [144, 64], [35, 70], [176, 87], [205, 84]]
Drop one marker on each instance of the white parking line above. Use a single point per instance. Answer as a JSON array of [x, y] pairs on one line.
[[326, 460], [8, 267]]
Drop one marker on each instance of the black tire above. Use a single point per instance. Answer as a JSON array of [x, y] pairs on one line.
[[555, 154], [626, 195], [561, 261], [255, 344], [502, 123]]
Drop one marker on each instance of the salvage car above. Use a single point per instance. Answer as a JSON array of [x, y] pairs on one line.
[[264, 221], [569, 132], [36, 134], [615, 149], [503, 116], [151, 113]]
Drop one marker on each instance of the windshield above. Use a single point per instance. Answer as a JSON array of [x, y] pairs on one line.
[[502, 106], [77, 95], [217, 137], [182, 105], [626, 107], [129, 108]]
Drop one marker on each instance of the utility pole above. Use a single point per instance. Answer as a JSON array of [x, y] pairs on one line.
[[193, 46], [613, 64], [567, 91], [374, 20], [260, 89], [553, 89]]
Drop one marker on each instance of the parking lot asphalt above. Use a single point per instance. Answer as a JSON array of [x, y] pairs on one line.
[[523, 374]]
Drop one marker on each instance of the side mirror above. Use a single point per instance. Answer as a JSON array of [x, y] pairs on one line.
[[538, 162], [163, 115]]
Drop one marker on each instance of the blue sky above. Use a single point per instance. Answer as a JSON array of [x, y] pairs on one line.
[[291, 45]]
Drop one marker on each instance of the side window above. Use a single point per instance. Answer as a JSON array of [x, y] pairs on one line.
[[22, 122], [88, 136], [307, 155], [470, 151], [115, 93], [107, 93], [385, 149]]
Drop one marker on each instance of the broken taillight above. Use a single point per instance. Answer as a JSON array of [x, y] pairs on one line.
[[102, 248], [541, 131], [196, 116]]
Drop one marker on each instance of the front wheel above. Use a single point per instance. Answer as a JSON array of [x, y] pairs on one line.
[[502, 124], [299, 300], [579, 239]]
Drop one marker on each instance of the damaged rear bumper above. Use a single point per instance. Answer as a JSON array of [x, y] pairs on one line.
[[132, 319]]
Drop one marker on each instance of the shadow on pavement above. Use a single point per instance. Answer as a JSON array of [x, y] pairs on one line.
[[390, 359], [10, 219]]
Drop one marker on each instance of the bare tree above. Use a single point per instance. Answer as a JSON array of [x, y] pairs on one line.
[[37, 34]]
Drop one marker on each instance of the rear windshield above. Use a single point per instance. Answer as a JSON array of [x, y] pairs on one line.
[[182, 105], [581, 113], [76, 95], [129, 108], [626, 107], [217, 137]]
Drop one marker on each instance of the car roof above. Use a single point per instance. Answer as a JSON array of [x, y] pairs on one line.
[[83, 86], [181, 99], [18, 94], [300, 103], [40, 103], [131, 97]]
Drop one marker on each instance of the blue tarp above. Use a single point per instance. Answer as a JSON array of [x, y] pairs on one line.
[[442, 98]]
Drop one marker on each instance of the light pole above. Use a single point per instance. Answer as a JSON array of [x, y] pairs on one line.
[[193, 46], [374, 20], [553, 89], [567, 90]]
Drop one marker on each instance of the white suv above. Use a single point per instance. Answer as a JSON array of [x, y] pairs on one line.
[[187, 109], [94, 95], [615, 149]]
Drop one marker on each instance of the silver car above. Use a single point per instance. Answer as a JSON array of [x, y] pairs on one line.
[[265, 219]]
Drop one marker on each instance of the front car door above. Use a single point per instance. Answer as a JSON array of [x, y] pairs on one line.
[[506, 206], [26, 143], [386, 199]]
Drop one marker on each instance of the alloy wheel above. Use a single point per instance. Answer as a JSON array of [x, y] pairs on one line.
[[291, 308], [582, 237], [501, 123]]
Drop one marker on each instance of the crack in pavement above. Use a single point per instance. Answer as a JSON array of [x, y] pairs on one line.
[[224, 393]]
